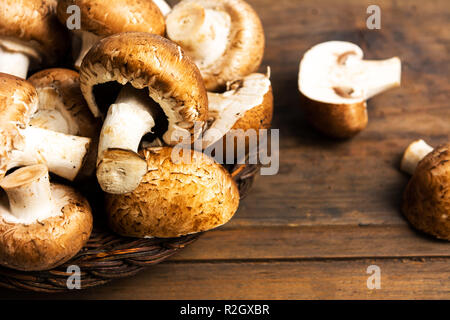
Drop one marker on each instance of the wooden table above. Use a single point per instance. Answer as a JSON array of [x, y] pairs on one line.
[[333, 210]]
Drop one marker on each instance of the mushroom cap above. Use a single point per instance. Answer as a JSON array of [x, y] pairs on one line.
[[175, 198], [33, 23], [426, 201], [149, 61], [104, 18], [18, 101], [60, 89], [336, 120], [245, 50], [49, 243]]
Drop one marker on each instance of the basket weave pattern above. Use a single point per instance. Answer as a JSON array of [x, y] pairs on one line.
[[108, 256]]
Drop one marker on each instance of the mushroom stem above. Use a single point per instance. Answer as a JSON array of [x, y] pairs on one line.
[[119, 168], [381, 75], [203, 33], [415, 152], [88, 39], [29, 193], [63, 154], [364, 79], [163, 7], [15, 63]]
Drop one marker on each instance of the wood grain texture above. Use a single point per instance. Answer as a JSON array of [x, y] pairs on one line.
[[317, 279], [334, 208]]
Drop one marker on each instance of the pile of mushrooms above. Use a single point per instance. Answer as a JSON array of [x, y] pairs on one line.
[[42, 225], [140, 103], [129, 119]]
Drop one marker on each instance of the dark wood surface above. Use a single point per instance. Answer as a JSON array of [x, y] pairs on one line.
[[312, 230]]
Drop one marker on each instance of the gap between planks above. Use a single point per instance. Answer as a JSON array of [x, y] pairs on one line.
[[312, 242]]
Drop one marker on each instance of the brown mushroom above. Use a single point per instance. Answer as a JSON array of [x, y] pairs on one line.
[[335, 83], [101, 18], [147, 86], [44, 224], [179, 195], [225, 38], [239, 114], [63, 109], [30, 34], [426, 201], [21, 144]]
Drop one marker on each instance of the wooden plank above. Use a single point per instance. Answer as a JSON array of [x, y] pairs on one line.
[[322, 181], [264, 243], [298, 234], [329, 279]]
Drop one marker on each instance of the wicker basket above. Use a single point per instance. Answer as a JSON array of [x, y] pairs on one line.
[[108, 256]]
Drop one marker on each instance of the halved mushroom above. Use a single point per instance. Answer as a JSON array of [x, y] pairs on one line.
[[21, 144], [336, 83], [101, 18], [30, 34], [225, 38], [148, 86], [63, 109], [246, 105], [179, 195], [426, 201], [44, 224]]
